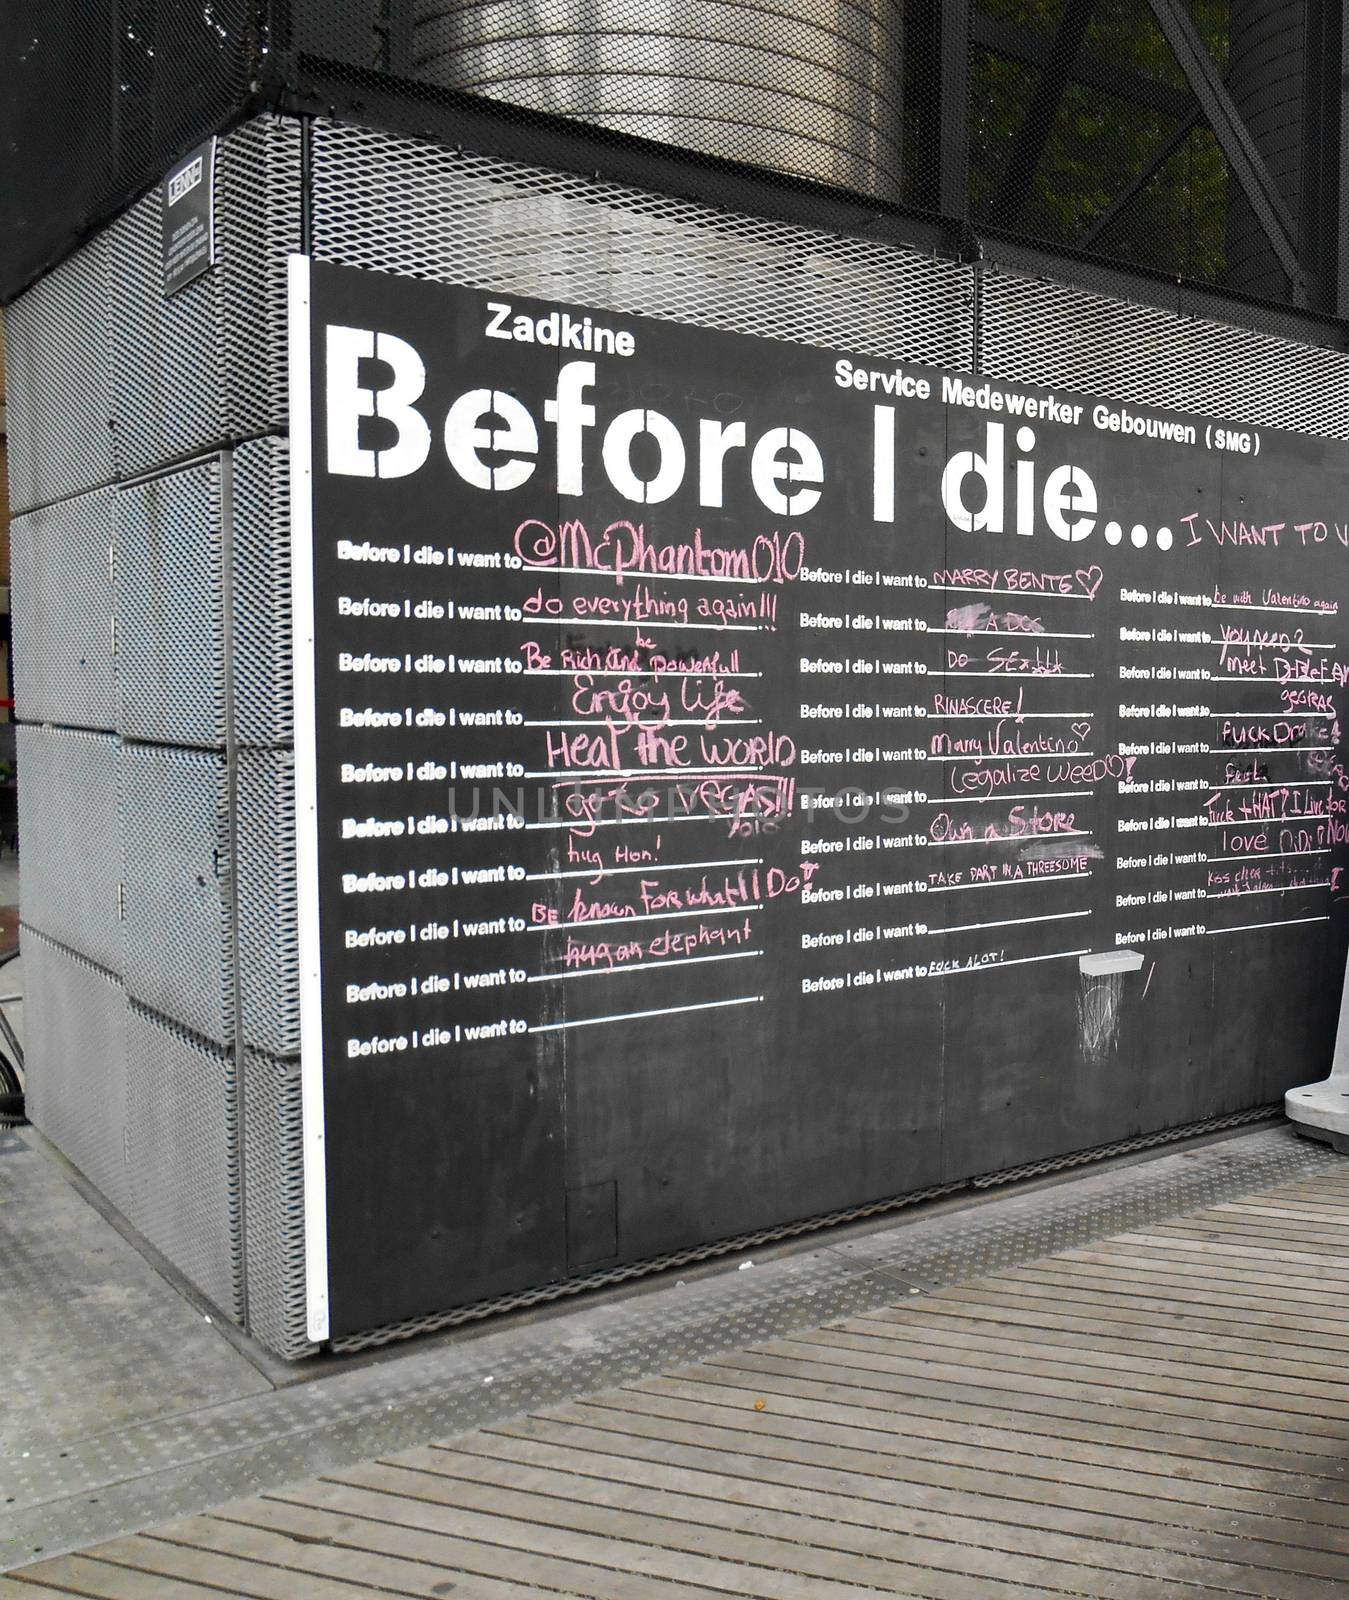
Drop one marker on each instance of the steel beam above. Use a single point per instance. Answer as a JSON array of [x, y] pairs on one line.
[[1040, 114], [1244, 160], [1014, 43], [952, 127], [1138, 183]]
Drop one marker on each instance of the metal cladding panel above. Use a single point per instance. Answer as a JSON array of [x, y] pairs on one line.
[[269, 960], [58, 376], [273, 1180], [207, 364], [261, 610], [258, 224], [183, 1154], [176, 874], [1037, 331], [395, 205], [75, 1061], [62, 609], [171, 617], [71, 836], [166, 392]]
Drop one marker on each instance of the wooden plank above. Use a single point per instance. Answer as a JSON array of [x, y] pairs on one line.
[[881, 1419], [1181, 1237], [97, 1580], [815, 1548], [1260, 1272], [1254, 1268], [1086, 1484], [1048, 1367], [1331, 1179], [1312, 1256], [477, 1559], [1151, 1405], [1161, 1289], [978, 1506], [699, 1557], [1026, 1349], [1211, 1337], [758, 1515], [1058, 1325], [1270, 1205], [16, 1586], [1204, 1277], [1315, 1228], [319, 1556], [1127, 1429], [197, 1565]]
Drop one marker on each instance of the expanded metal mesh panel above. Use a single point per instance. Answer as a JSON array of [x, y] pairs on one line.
[[75, 1061], [171, 616], [58, 382], [166, 395], [172, 597], [1034, 331], [62, 612], [259, 200], [262, 643], [269, 959], [274, 1205], [71, 834], [207, 364], [176, 873], [395, 205], [183, 1154]]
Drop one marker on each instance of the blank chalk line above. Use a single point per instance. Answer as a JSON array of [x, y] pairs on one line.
[[634, 1016]]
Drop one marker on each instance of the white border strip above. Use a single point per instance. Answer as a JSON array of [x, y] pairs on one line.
[[306, 800]]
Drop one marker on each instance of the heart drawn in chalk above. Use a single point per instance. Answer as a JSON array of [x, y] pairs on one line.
[[1081, 729], [1089, 580]]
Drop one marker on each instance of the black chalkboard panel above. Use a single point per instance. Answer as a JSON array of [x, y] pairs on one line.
[[739, 781]]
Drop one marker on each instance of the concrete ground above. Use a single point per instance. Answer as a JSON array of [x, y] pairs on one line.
[[1004, 1372]]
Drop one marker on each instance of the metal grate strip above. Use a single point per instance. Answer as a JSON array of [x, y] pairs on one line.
[[395, 205], [1036, 331]]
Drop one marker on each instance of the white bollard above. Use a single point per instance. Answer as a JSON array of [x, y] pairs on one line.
[[1321, 1110]]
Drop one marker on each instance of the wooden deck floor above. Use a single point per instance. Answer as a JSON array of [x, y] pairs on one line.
[[1163, 1414]]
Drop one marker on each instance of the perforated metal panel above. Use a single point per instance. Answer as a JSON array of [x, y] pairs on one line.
[[176, 875], [274, 1205], [269, 960], [70, 833], [262, 643], [183, 1154], [75, 1061], [207, 364], [1034, 331], [170, 598], [394, 205], [62, 610], [58, 382]]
